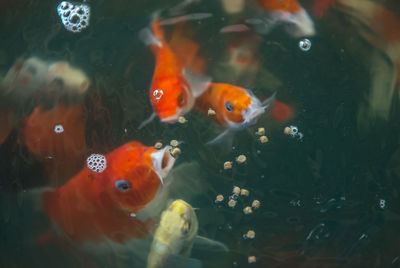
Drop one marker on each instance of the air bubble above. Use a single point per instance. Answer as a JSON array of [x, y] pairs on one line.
[[58, 129], [96, 163], [305, 44]]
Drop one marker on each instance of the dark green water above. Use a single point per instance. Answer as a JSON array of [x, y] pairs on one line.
[[320, 196]]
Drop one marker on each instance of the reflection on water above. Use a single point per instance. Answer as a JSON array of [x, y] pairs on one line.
[[106, 159]]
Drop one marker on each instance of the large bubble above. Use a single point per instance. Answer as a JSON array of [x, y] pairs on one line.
[[96, 163], [74, 16]]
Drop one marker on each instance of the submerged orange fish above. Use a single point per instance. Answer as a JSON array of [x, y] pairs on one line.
[[173, 88], [102, 200], [236, 108]]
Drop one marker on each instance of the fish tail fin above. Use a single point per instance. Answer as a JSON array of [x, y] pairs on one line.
[[281, 112], [147, 121], [149, 38]]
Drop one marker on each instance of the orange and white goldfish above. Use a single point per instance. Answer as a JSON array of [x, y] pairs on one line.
[[173, 88], [236, 108], [101, 202], [294, 17]]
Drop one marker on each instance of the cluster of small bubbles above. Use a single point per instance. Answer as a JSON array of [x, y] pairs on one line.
[[305, 44], [74, 16], [158, 93], [96, 162], [295, 203], [382, 203], [294, 132], [58, 129]]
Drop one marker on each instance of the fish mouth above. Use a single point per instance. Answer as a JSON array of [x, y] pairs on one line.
[[162, 162]]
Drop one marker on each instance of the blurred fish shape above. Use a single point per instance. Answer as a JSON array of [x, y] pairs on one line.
[[175, 237], [174, 87], [236, 108], [101, 202]]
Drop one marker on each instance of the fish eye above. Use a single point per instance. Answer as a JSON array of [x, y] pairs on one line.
[[228, 106], [122, 185]]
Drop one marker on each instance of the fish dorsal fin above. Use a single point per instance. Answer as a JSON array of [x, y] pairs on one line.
[[178, 261], [198, 83], [149, 38], [147, 121], [188, 17], [204, 243]]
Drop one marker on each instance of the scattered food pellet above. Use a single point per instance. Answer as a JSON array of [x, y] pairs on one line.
[[227, 165], [236, 190], [174, 143], [219, 198], [251, 234], [175, 152], [244, 192], [232, 203], [252, 259], [182, 120], [241, 159], [287, 131], [210, 112], [263, 139], [158, 145], [255, 204], [247, 210], [260, 131]]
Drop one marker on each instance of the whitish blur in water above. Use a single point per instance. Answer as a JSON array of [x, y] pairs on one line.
[[328, 194]]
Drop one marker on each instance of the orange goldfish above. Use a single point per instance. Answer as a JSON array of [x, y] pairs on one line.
[[236, 108], [296, 20], [101, 202], [174, 88]]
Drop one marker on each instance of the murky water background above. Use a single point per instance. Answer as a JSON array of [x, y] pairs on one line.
[[321, 197]]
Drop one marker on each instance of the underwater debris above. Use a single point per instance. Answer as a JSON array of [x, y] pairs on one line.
[[249, 235], [236, 190], [263, 139], [305, 44], [174, 143], [227, 165], [256, 204], [58, 129], [74, 16], [382, 203], [241, 159], [96, 163], [247, 210], [261, 131], [251, 259], [175, 152], [232, 203], [219, 198], [211, 112], [158, 145], [244, 192], [182, 120], [293, 131]]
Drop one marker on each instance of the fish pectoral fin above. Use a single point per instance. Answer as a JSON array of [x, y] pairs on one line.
[[204, 243], [225, 138], [266, 103], [198, 83], [188, 17], [178, 261], [147, 121]]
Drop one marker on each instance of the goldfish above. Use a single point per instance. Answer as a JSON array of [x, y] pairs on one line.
[[175, 236], [101, 202], [173, 87], [236, 107], [294, 17]]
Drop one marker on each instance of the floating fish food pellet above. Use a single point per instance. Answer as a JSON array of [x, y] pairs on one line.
[[158, 145], [244, 192], [182, 120], [241, 159], [74, 16], [251, 259], [236, 190], [232, 203], [287, 131], [263, 139], [219, 198], [174, 143], [227, 165], [260, 131], [247, 210], [175, 152], [250, 234], [96, 163], [255, 204], [210, 112]]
